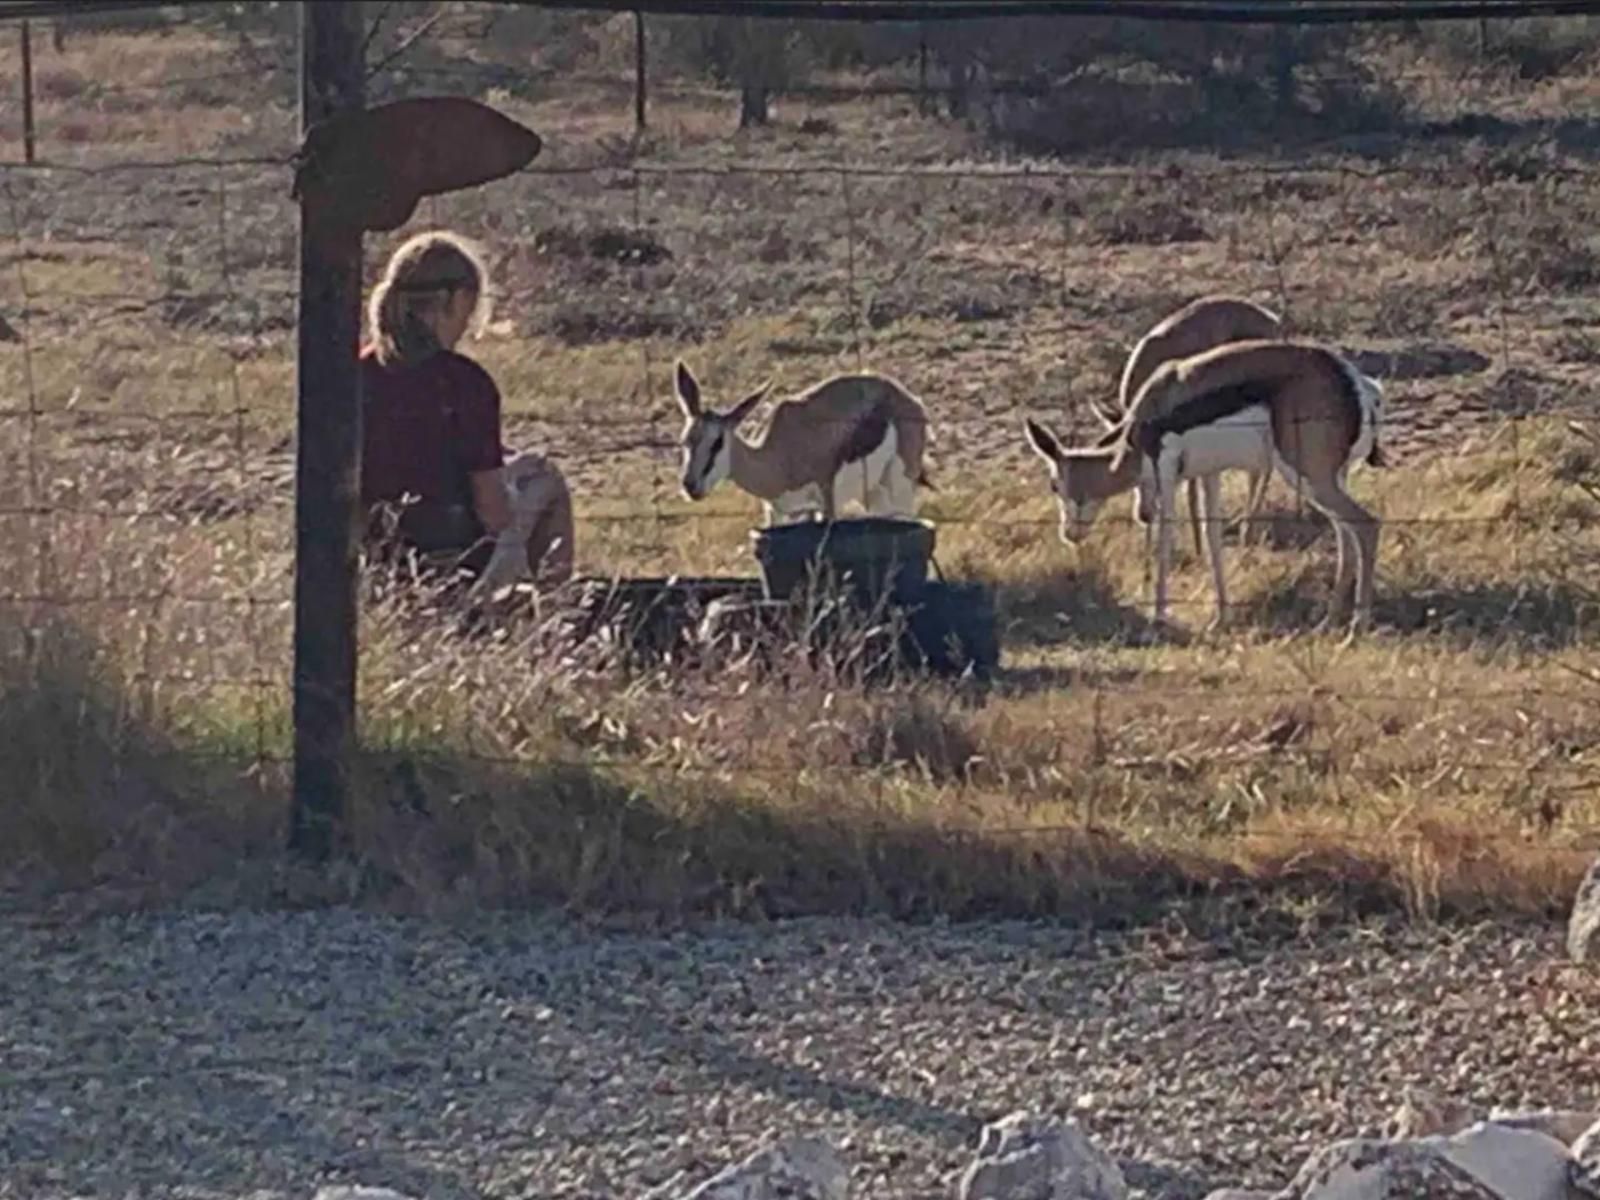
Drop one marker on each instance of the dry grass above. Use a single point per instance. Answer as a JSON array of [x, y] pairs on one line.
[[1443, 765]]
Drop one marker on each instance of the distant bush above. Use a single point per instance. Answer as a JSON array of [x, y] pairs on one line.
[[1532, 49], [1098, 113]]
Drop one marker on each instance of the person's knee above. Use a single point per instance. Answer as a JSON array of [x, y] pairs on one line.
[[543, 487]]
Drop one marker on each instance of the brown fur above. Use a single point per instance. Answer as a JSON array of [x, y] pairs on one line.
[[867, 435], [836, 405], [1308, 389], [1198, 326], [838, 421], [1195, 328], [1315, 410]]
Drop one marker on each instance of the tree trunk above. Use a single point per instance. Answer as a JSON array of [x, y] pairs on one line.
[[1283, 64], [962, 71], [924, 101], [752, 105]]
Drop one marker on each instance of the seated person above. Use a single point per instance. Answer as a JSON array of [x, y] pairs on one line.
[[435, 478]]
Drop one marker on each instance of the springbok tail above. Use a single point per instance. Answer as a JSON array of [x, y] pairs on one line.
[[1369, 399]]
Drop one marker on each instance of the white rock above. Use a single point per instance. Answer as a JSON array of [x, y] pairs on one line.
[[1518, 1164], [1023, 1157], [345, 1192], [797, 1168], [1240, 1194], [1583, 928], [1564, 1124], [1585, 1170], [1368, 1169]]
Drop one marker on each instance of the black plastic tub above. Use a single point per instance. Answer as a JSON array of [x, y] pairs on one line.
[[877, 557], [951, 631]]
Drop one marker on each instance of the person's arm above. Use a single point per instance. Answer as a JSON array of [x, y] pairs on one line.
[[481, 453]]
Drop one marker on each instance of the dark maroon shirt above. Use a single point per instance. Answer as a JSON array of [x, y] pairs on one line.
[[426, 427]]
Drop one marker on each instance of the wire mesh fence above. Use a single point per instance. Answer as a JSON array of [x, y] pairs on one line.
[[146, 501]]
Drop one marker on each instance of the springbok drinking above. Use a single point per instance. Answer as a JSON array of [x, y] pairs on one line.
[[1198, 326], [1253, 406], [851, 436]]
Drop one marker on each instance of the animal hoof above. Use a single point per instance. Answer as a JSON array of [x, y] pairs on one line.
[[1360, 624], [1153, 633]]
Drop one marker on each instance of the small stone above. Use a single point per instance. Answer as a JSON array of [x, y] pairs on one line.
[[1563, 1124], [1584, 1171], [1023, 1157], [1366, 1169], [796, 1168], [1518, 1164], [1583, 927]]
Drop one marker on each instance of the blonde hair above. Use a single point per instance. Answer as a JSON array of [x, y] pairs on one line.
[[418, 281]]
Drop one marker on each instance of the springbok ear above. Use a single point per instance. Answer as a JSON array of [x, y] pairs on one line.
[[744, 408], [687, 388], [1043, 441]]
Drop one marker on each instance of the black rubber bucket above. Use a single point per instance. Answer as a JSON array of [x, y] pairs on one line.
[[876, 557], [954, 630]]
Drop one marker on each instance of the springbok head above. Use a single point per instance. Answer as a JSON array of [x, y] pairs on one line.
[[1076, 477], [707, 435]]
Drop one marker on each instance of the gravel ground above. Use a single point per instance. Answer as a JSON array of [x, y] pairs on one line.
[[231, 1055]]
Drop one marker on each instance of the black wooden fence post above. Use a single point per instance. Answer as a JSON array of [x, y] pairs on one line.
[[27, 93], [327, 470]]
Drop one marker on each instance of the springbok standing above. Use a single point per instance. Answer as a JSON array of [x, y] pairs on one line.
[[1254, 406], [861, 430], [1198, 326]]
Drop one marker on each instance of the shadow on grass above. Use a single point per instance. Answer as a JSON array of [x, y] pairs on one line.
[[1056, 604], [675, 845], [1532, 616], [669, 847], [1050, 677], [1124, 119], [98, 795], [1278, 528], [105, 801]]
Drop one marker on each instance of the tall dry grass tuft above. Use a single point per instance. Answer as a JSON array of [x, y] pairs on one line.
[[98, 793]]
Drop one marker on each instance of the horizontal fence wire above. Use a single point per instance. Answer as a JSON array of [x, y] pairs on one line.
[[1252, 12], [1209, 11]]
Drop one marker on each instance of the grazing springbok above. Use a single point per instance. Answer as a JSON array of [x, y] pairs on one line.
[[1198, 326], [849, 436], [1294, 406]]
